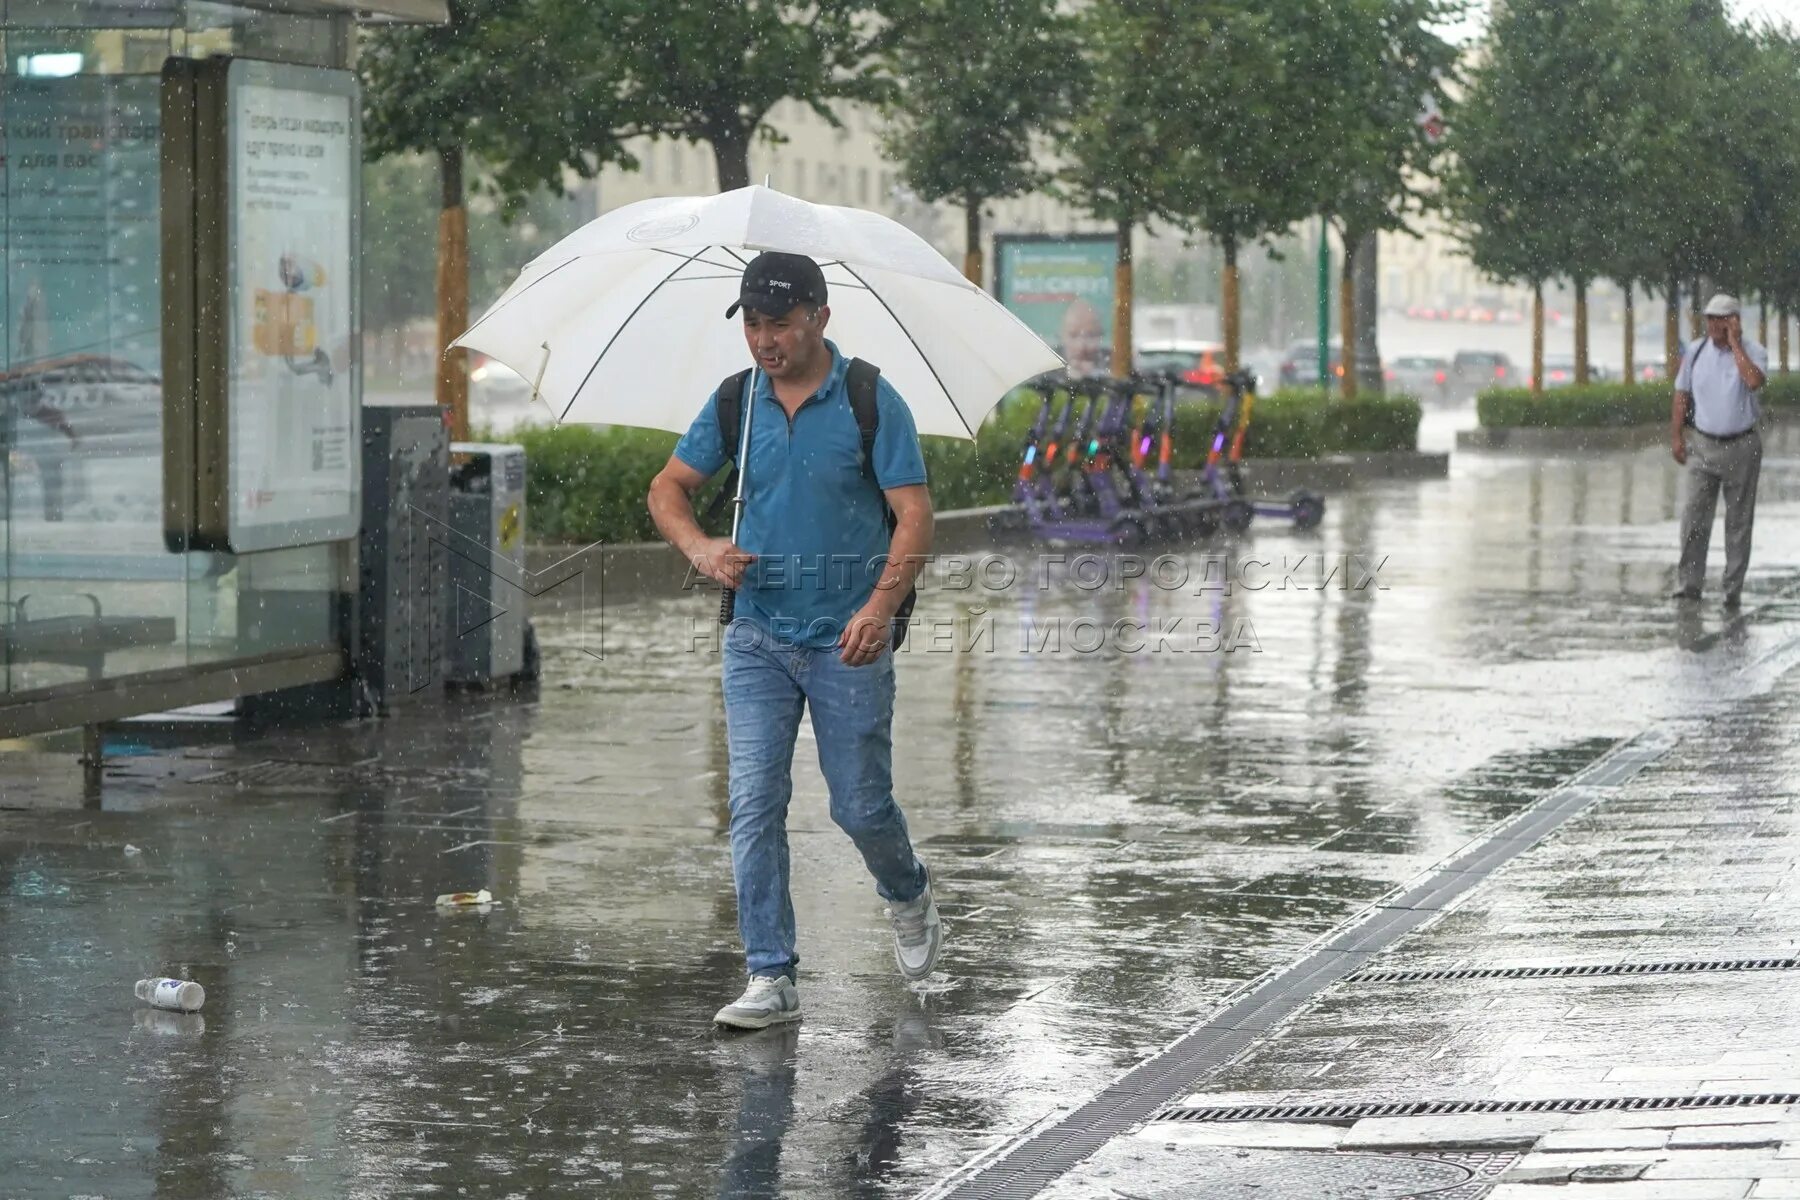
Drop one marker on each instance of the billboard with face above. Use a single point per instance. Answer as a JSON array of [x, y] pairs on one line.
[[1062, 287]]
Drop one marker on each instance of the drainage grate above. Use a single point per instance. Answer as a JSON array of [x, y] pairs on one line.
[[1700, 966], [1194, 1114], [1037, 1158]]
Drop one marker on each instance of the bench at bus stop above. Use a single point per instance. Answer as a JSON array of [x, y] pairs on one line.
[[80, 640]]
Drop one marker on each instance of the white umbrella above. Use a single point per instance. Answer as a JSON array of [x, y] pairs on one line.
[[623, 321]]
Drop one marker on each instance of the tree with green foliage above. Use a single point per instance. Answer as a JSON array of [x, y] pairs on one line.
[[1251, 110], [712, 73], [1379, 157], [1763, 141], [519, 83], [399, 217], [978, 85], [1527, 171], [1775, 111], [1115, 149], [1671, 194], [1205, 114]]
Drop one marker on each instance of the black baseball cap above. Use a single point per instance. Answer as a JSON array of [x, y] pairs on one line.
[[774, 282]]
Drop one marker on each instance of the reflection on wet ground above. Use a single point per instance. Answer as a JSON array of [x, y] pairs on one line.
[[1122, 840]]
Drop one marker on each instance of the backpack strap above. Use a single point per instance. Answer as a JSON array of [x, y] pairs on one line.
[[861, 379], [1693, 360], [728, 405]]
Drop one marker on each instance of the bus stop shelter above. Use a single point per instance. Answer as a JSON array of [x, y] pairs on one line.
[[180, 371]]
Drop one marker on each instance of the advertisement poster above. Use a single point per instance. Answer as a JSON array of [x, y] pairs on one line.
[[294, 178], [1062, 288], [80, 390]]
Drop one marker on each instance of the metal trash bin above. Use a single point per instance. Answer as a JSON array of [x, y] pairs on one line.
[[488, 606], [400, 636]]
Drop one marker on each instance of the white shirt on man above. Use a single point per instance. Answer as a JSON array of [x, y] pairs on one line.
[[1723, 405]]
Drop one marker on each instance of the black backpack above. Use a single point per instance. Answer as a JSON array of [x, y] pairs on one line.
[[1687, 416], [860, 379]]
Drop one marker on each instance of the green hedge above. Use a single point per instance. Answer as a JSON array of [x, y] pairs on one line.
[[1306, 423], [1603, 405], [1782, 391], [585, 484], [1593, 406]]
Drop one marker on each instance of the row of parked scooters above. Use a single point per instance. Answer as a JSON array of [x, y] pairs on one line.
[[1097, 466]]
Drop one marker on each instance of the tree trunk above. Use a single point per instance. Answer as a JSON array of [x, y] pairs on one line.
[[452, 291], [1630, 333], [1368, 309], [1537, 337], [972, 241], [1696, 325], [1347, 321], [1228, 304], [1581, 332], [1672, 332], [1784, 341], [1762, 321], [1121, 347], [731, 158]]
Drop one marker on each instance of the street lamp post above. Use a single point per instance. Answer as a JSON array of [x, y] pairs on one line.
[[1324, 304]]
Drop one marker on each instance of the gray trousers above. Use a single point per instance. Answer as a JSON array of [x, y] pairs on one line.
[[1711, 465]]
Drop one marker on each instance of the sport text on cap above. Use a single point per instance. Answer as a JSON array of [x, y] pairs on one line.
[[775, 282]]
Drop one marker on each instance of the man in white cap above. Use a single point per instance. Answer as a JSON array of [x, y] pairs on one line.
[[1713, 427]]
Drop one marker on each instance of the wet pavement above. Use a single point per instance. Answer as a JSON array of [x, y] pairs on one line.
[[1124, 839], [1652, 948]]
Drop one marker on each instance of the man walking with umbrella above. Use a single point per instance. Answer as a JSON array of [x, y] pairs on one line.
[[820, 581]]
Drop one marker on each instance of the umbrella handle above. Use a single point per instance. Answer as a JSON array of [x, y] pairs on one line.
[[727, 603]]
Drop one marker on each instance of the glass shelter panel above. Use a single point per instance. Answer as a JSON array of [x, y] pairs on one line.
[[88, 588]]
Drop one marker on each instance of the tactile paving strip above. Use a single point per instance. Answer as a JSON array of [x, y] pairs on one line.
[[1025, 1168]]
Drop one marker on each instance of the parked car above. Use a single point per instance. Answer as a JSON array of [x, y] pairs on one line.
[[1472, 371], [1199, 363], [1559, 371], [81, 427], [1420, 375], [495, 387], [1300, 363]]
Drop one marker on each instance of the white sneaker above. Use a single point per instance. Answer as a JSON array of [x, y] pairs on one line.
[[769, 1000], [918, 934]]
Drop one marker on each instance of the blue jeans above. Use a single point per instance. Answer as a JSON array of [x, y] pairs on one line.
[[766, 687]]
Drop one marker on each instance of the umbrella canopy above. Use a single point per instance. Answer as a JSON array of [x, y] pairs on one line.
[[623, 321]]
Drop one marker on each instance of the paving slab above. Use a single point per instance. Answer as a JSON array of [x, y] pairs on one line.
[[1126, 843], [1548, 1037]]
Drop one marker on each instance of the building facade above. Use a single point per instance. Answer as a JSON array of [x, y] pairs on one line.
[[826, 165]]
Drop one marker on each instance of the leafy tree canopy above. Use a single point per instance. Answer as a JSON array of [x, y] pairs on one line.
[[978, 82]]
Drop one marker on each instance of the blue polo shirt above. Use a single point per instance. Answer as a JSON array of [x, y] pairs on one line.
[[815, 524]]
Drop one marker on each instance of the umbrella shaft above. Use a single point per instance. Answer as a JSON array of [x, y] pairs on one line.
[[743, 454], [728, 602]]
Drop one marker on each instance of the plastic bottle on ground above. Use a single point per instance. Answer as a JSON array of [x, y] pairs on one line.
[[177, 995]]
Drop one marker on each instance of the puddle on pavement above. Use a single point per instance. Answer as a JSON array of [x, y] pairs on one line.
[[1122, 841]]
